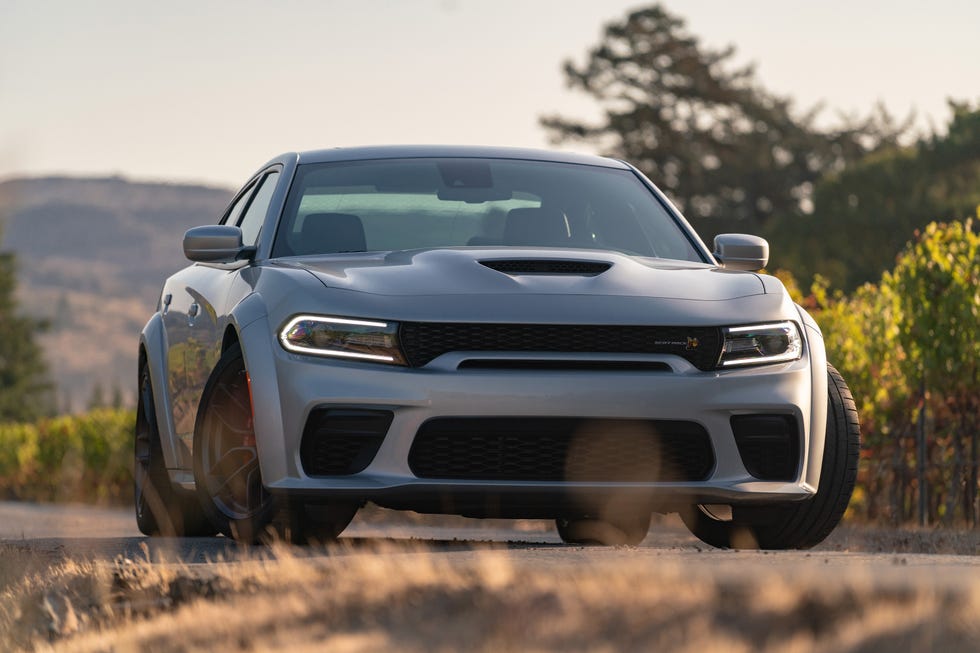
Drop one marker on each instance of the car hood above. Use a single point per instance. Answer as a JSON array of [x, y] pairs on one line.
[[527, 272]]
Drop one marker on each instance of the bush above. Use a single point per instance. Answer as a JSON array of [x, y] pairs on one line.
[[85, 458], [908, 343]]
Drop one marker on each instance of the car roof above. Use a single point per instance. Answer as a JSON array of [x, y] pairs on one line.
[[454, 151]]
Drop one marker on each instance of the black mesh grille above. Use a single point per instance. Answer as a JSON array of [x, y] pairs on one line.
[[769, 445], [424, 341], [547, 266], [338, 442], [561, 449]]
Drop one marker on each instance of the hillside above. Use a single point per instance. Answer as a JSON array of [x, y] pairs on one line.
[[92, 255]]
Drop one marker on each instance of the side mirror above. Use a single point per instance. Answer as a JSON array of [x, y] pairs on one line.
[[216, 243], [741, 251]]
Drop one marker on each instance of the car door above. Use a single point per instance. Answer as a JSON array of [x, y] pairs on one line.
[[195, 305]]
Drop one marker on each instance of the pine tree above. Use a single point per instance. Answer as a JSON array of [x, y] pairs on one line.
[[97, 400], [25, 392], [731, 154]]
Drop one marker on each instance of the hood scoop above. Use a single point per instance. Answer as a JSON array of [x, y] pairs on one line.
[[547, 266]]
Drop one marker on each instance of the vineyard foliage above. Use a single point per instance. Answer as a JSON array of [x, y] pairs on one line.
[[83, 458], [909, 342]]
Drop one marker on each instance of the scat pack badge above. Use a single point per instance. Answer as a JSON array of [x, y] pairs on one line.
[[690, 345]]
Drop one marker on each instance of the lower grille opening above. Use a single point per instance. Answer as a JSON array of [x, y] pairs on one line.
[[769, 445], [340, 442], [561, 449]]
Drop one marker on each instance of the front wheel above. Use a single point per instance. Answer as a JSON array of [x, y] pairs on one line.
[[797, 525], [226, 461]]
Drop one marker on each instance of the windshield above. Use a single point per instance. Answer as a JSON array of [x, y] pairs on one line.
[[385, 205]]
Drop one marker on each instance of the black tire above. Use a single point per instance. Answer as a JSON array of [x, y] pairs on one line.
[[621, 530], [226, 464], [803, 524], [161, 509]]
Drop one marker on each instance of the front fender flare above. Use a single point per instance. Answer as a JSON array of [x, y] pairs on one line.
[[153, 341], [818, 400]]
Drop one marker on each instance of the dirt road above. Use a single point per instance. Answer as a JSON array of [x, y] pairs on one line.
[[455, 584]]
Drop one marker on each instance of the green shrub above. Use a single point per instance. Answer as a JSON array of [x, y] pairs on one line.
[[917, 329], [18, 454], [86, 458]]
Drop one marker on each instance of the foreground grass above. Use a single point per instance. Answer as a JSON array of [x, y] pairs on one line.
[[412, 599]]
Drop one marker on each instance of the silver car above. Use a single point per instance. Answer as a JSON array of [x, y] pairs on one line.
[[486, 332]]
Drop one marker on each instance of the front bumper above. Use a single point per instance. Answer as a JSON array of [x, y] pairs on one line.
[[295, 385]]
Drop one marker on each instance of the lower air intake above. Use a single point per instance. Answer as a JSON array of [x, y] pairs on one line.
[[769, 445], [340, 442], [561, 449]]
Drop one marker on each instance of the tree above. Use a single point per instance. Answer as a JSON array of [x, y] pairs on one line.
[[25, 393], [732, 155], [97, 400], [864, 214]]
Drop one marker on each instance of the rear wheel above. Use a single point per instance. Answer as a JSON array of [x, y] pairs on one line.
[[797, 525], [161, 509], [226, 462]]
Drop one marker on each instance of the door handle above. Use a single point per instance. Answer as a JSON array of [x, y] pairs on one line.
[[193, 310]]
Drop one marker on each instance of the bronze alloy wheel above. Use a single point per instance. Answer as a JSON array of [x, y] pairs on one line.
[[226, 462]]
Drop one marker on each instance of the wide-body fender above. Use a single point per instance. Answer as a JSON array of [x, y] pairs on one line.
[[153, 342], [813, 460], [257, 343]]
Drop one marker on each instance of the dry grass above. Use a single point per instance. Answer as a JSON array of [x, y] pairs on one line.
[[409, 598], [872, 539]]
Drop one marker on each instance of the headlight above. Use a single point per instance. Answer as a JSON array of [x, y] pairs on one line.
[[760, 344], [343, 338]]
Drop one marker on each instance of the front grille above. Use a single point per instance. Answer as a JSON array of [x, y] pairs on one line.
[[769, 445], [547, 266], [339, 442], [424, 341], [561, 449]]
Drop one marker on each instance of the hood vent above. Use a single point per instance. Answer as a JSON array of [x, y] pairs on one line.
[[547, 266]]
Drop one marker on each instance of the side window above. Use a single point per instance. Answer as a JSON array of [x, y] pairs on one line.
[[236, 210], [252, 221]]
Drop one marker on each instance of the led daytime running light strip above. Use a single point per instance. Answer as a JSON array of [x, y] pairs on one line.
[[332, 320], [759, 327]]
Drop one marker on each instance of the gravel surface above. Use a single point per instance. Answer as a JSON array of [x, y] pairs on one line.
[[81, 578]]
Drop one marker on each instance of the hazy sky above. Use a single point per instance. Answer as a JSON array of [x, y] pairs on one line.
[[194, 90]]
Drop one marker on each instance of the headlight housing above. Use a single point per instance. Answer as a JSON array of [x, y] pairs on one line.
[[341, 337], [761, 344]]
